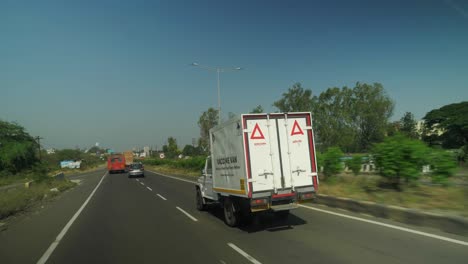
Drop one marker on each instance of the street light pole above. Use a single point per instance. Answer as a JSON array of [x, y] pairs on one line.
[[219, 100], [218, 70]]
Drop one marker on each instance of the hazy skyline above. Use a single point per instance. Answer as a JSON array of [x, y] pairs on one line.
[[117, 72]]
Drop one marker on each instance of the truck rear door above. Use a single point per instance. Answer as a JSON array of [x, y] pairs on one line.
[[280, 151]]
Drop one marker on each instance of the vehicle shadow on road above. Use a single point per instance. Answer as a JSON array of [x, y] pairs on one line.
[[264, 222]]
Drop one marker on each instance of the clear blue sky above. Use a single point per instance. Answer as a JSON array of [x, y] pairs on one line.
[[116, 72]]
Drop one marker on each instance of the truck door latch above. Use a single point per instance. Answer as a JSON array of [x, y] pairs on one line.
[[298, 171], [265, 174]]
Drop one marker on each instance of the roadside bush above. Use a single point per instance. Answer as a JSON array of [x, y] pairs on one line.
[[399, 157], [443, 166], [195, 163], [39, 172], [332, 164], [192, 163], [354, 164]]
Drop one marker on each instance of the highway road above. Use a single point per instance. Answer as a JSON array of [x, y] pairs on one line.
[[114, 219]]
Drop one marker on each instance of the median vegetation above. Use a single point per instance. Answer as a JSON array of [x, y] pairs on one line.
[[190, 166], [19, 199]]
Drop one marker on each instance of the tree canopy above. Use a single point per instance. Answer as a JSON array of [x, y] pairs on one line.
[[207, 120], [352, 118], [408, 125], [257, 110], [452, 123], [17, 148], [296, 99]]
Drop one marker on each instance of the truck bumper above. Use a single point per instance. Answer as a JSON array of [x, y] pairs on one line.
[[284, 207]]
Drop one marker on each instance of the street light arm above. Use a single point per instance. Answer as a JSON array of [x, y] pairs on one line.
[[204, 67], [216, 69]]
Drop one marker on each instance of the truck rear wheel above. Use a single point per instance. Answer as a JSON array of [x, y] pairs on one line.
[[231, 216], [200, 205]]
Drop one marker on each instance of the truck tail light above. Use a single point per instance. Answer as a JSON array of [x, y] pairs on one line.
[[306, 196], [256, 202]]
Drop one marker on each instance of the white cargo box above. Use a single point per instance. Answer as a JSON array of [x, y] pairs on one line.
[[256, 154]]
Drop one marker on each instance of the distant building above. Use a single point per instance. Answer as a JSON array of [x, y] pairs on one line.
[[146, 150], [50, 151], [420, 129]]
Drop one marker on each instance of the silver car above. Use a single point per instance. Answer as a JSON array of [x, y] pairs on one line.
[[136, 169]]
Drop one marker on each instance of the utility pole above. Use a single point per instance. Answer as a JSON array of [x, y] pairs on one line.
[[38, 140]]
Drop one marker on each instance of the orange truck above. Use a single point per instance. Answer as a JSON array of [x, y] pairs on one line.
[[128, 158], [116, 163]]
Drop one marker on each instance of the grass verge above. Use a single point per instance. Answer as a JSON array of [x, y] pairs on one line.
[[19, 199], [167, 169], [451, 199]]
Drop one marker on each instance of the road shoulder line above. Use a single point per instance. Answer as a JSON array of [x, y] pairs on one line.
[[172, 177], [64, 231], [460, 242]]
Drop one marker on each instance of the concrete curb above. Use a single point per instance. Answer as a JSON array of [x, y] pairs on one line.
[[59, 176], [448, 223]]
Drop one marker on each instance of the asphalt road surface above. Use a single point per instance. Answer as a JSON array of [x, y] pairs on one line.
[[154, 220]]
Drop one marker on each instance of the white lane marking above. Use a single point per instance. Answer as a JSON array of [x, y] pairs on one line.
[[149, 188], [460, 242], [160, 196], [142, 183], [62, 233], [137, 180], [247, 256], [172, 177], [187, 214]]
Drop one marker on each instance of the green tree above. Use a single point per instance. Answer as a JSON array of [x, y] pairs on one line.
[[332, 119], [171, 150], [17, 148], [257, 110], [371, 108], [448, 125], [352, 119], [331, 159], [400, 157], [393, 128], [408, 125], [296, 99], [207, 120], [354, 164], [190, 150]]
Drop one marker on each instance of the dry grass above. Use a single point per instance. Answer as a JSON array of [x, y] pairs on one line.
[[19, 199], [452, 199], [165, 169]]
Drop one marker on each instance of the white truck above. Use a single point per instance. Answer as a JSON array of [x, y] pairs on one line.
[[259, 162]]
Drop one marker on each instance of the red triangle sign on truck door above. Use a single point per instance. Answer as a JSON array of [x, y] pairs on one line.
[[256, 131], [296, 130]]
